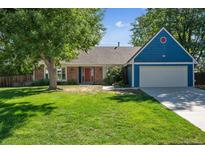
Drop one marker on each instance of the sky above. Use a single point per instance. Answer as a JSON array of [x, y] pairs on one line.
[[117, 23]]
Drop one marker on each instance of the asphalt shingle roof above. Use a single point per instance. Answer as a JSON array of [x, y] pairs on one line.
[[105, 55]]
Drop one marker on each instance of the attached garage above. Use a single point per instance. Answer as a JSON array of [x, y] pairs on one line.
[[163, 76], [162, 62]]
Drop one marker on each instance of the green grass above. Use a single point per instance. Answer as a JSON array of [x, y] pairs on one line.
[[37, 116]]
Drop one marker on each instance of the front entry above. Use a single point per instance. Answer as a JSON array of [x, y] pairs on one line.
[[88, 75]]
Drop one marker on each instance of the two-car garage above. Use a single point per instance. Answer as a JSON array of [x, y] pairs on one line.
[[163, 76]]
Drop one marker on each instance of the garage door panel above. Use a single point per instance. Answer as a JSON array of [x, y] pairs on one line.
[[163, 76]]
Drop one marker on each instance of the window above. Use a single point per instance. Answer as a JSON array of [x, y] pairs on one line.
[[61, 74], [46, 74], [163, 40]]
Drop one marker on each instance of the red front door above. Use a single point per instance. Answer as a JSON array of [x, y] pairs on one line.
[[87, 74]]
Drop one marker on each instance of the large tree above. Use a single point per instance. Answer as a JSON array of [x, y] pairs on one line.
[[49, 35], [187, 26]]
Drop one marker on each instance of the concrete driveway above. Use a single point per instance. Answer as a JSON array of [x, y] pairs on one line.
[[189, 103]]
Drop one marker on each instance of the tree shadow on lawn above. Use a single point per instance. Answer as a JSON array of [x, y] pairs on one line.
[[9, 93], [138, 96], [14, 116]]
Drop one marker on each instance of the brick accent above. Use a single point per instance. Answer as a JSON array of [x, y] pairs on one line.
[[72, 73], [98, 75], [39, 73]]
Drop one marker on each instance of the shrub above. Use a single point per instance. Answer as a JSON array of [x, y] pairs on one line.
[[69, 82], [43, 82], [115, 76]]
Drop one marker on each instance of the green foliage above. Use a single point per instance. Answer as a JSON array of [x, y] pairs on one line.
[[69, 82], [58, 34], [115, 75], [50, 35], [187, 26], [13, 69], [43, 82], [36, 116]]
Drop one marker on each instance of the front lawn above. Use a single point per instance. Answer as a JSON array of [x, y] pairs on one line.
[[36, 116]]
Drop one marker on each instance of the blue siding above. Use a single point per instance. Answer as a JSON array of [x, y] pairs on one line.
[[190, 75], [136, 75], [129, 74], [190, 72], [155, 49]]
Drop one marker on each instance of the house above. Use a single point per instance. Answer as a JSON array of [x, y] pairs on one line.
[[91, 67], [161, 62]]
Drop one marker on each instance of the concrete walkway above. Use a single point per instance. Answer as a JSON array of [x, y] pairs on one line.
[[189, 103]]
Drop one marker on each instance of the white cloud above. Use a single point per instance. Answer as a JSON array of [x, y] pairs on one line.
[[120, 24]]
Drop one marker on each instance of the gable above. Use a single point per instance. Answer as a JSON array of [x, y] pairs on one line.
[[163, 48]]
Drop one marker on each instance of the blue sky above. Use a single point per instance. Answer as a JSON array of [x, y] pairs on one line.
[[117, 23]]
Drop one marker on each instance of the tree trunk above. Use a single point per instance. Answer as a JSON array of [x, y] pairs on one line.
[[50, 63], [52, 76]]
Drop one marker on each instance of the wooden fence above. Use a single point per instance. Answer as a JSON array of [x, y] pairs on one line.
[[200, 79], [16, 80]]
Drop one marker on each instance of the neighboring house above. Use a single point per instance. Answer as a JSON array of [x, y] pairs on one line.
[[162, 62]]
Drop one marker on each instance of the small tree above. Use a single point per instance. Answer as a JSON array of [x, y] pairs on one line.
[[49, 35], [115, 75]]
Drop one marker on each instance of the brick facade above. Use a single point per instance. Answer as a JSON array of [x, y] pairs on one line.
[[98, 77], [72, 73]]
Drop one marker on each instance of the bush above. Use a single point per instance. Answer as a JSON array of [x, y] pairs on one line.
[[43, 82], [115, 76], [69, 82]]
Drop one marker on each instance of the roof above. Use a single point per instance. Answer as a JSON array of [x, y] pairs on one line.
[[101, 55]]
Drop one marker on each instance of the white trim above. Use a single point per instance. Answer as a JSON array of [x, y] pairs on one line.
[[133, 78], [163, 63], [194, 61], [61, 73]]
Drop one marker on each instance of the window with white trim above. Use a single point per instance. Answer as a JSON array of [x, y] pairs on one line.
[[61, 74]]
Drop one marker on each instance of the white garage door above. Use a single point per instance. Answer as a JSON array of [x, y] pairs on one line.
[[163, 76]]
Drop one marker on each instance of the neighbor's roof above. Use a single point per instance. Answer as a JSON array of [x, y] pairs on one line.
[[105, 55]]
